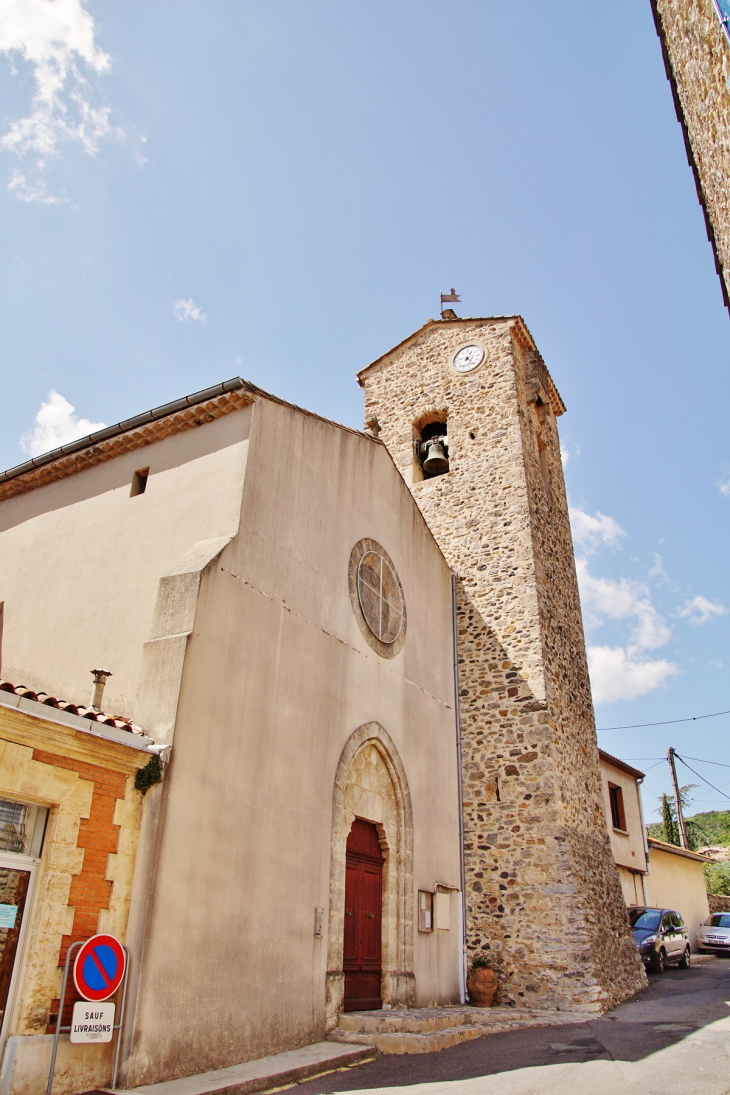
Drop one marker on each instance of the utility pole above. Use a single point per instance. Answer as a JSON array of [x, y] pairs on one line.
[[678, 804]]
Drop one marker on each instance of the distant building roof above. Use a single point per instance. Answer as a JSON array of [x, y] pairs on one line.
[[620, 764], [663, 846]]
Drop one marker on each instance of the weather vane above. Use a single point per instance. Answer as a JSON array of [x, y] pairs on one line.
[[449, 298]]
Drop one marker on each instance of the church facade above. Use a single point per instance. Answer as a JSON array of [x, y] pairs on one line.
[[361, 658]]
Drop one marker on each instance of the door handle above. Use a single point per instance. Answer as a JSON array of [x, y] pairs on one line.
[[371, 915]]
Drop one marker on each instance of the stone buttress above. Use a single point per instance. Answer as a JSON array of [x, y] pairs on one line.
[[543, 897]]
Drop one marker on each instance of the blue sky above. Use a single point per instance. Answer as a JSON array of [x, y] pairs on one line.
[[191, 191]]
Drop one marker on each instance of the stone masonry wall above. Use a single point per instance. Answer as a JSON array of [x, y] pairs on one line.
[[697, 57], [543, 896]]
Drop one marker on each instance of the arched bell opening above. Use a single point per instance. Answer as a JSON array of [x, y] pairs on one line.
[[430, 446]]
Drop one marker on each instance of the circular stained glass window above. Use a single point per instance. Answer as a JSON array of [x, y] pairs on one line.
[[380, 597], [377, 598]]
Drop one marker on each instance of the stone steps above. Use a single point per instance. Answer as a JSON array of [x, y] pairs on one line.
[[427, 1030]]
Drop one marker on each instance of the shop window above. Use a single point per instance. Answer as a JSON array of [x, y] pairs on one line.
[[22, 828]]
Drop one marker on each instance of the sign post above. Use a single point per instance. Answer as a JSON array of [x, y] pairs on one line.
[[100, 967]]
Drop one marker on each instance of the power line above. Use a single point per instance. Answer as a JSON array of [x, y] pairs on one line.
[[699, 761], [667, 722], [712, 785]]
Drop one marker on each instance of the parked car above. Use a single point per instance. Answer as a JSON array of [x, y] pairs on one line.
[[661, 936], [714, 934]]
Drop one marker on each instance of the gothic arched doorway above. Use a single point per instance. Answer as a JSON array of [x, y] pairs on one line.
[[371, 787]]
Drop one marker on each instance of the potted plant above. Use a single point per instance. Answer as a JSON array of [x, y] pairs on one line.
[[481, 983]]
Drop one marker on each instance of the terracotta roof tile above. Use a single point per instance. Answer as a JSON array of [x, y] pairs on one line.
[[116, 721]]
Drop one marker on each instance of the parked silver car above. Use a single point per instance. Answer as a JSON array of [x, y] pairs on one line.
[[714, 934], [661, 937]]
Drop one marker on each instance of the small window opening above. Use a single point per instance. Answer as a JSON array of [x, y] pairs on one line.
[[432, 450], [139, 482], [616, 798], [540, 414], [425, 911]]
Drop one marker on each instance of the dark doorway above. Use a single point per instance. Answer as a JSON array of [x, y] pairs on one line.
[[363, 917]]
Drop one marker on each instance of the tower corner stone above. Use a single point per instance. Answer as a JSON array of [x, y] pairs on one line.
[[543, 899]]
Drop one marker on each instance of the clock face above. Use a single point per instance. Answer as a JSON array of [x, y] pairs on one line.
[[468, 358]]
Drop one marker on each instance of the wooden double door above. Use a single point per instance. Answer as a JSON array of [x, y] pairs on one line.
[[363, 917]]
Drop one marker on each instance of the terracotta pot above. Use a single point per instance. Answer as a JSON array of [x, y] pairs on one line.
[[482, 987]]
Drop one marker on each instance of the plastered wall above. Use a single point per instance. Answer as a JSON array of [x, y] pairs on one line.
[[678, 882], [277, 679], [80, 560], [628, 847]]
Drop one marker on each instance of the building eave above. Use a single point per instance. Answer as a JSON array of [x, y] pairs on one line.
[[621, 764], [144, 429]]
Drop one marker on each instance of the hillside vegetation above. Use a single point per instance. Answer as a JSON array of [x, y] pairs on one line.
[[712, 827]]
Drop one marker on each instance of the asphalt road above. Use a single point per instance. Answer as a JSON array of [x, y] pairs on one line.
[[671, 1039]]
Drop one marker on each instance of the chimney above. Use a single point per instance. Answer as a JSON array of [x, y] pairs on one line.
[[97, 690]]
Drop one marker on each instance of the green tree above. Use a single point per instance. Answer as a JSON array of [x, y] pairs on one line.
[[670, 827], [717, 877], [670, 830]]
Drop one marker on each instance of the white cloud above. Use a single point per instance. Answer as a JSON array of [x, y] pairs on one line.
[[56, 37], [32, 192], [56, 424], [564, 455], [698, 610], [622, 599], [657, 570], [592, 532], [623, 672], [723, 485], [186, 309], [618, 675]]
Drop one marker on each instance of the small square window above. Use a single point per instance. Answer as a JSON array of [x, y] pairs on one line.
[[139, 482]]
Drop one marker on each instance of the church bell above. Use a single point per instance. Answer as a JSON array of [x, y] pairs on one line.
[[436, 461]]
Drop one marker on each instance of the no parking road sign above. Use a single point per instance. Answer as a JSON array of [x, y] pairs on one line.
[[99, 967]]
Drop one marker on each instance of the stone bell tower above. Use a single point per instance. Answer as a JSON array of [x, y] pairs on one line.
[[468, 411]]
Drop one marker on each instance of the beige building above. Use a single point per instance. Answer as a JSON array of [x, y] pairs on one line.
[[287, 604], [677, 881], [624, 817], [69, 823], [652, 872], [695, 38]]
